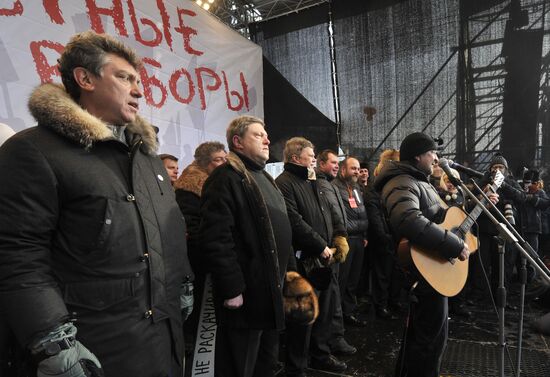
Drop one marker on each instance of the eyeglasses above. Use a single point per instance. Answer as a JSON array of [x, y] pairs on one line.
[[219, 159]]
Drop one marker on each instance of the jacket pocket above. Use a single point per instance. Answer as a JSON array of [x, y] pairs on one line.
[[98, 295]]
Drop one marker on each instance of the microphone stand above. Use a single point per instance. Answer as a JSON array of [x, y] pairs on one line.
[[528, 253], [523, 246], [506, 233]]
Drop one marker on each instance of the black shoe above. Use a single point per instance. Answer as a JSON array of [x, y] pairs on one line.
[[331, 364], [342, 348], [384, 313], [352, 320]]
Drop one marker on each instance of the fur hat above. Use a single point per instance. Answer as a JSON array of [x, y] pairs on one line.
[[415, 144], [300, 301], [498, 159]]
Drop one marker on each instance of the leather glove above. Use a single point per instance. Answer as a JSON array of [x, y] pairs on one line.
[[77, 361], [342, 248], [186, 300]]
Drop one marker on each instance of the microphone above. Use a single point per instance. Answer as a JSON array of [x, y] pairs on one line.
[[464, 169], [444, 164]]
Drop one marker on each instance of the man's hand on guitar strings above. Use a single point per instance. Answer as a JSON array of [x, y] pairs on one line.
[[493, 197], [465, 253]]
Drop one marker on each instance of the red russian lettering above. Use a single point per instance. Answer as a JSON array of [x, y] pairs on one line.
[[52, 9], [245, 91], [165, 23], [174, 86], [211, 87], [187, 31], [149, 81], [116, 12], [17, 10], [145, 21], [241, 99], [44, 69]]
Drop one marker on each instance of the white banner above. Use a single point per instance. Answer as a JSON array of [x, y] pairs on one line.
[[205, 343], [198, 73]]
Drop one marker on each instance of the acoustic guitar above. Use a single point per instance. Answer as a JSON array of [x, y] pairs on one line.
[[446, 276]]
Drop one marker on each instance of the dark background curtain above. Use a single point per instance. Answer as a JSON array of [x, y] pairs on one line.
[[386, 54]]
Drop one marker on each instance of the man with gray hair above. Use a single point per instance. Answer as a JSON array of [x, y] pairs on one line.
[[313, 228], [92, 243], [246, 246]]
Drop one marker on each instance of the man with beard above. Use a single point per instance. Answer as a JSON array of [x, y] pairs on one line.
[[413, 208], [356, 228]]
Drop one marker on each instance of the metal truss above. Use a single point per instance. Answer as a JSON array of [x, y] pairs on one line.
[[239, 13]]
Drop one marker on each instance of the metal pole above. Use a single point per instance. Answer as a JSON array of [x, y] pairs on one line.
[[334, 75], [501, 304]]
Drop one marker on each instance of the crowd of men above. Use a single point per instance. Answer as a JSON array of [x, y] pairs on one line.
[[105, 251]]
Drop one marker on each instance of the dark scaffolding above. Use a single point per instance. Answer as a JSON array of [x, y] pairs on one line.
[[419, 65]]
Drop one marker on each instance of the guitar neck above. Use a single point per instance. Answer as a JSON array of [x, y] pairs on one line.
[[472, 217], [474, 214]]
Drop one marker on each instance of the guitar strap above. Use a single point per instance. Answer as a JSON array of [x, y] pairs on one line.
[[205, 341]]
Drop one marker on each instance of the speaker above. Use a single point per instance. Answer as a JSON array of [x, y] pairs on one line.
[[523, 50]]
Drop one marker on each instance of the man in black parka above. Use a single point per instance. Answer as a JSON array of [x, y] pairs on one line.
[[92, 242], [413, 209], [314, 225], [246, 246]]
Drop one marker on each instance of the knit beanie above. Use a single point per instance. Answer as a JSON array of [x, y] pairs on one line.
[[415, 144], [498, 159]]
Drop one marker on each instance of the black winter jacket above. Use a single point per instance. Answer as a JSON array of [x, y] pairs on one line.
[[532, 207], [530, 216], [356, 218], [333, 196], [308, 210], [90, 229], [380, 237], [485, 225], [239, 249], [188, 195], [413, 208]]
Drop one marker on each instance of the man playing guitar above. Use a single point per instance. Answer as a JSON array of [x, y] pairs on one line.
[[413, 210]]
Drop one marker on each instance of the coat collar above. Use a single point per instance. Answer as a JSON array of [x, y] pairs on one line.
[[301, 171], [53, 107], [192, 179], [234, 160]]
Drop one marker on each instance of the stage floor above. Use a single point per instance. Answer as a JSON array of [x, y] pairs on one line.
[[472, 349]]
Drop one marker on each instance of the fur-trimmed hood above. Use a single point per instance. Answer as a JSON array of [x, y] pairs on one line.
[[192, 179], [54, 108]]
